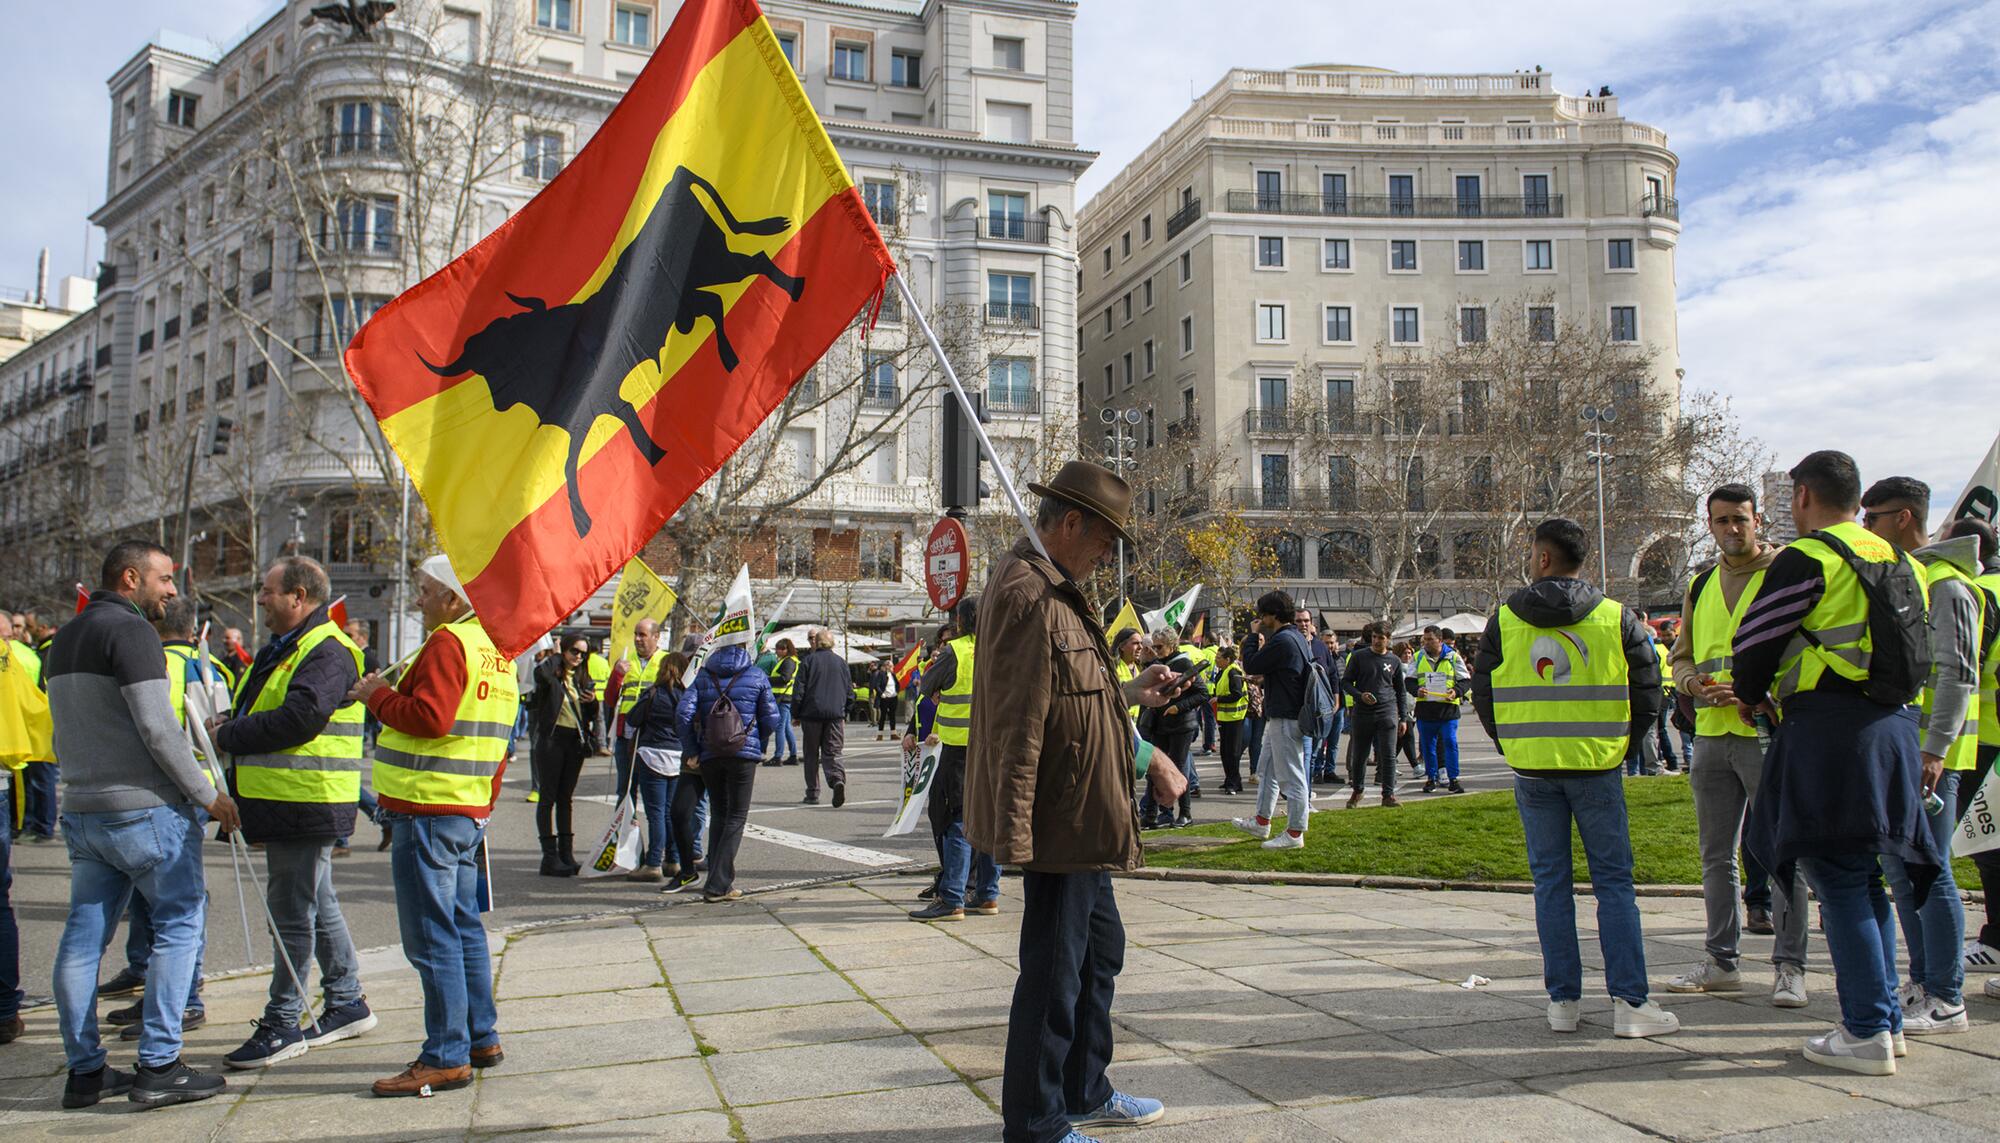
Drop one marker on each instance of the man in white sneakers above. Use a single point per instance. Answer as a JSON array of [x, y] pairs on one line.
[[1281, 659]]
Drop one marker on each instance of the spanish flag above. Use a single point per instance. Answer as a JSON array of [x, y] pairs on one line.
[[559, 391]]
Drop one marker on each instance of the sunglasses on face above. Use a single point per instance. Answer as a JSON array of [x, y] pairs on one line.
[[577, 651]]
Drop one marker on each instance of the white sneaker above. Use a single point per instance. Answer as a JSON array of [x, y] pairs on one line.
[[1707, 976], [1909, 994], [1871, 1056], [1287, 840], [1648, 1019], [1563, 1015], [1933, 1017], [1250, 826], [1788, 987], [1993, 988], [1982, 956], [1902, 1045]]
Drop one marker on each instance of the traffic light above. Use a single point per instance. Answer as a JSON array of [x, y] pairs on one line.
[[962, 487], [217, 432]]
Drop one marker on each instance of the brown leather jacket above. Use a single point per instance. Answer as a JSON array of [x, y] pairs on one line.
[[1049, 769]]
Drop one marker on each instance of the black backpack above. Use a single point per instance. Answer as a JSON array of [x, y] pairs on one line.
[[1898, 625], [1317, 712], [723, 734]]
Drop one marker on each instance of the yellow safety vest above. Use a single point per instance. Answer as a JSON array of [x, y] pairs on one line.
[[1232, 697], [1989, 664], [327, 769], [1712, 641], [1561, 697], [599, 669], [954, 703], [179, 657], [1447, 665], [1126, 672], [1666, 665], [637, 678], [460, 768], [784, 677], [1841, 644], [1964, 751]]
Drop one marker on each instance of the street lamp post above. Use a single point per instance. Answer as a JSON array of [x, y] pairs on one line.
[[1121, 441], [1598, 440]]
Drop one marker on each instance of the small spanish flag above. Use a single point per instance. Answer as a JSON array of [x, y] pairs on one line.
[[559, 391], [907, 667]]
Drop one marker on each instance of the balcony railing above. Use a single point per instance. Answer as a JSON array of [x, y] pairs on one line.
[[1188, 426], [1014, 313], [1183, 218], [259, 282], [1280, 420], [230, 294], [1013, 401], [1285, 497], [1271, 497], [146, 341], [1396, 206], [255, 376], [354, 143], [324, 343], [225, 387], [1014, 228], [103, 356], [99, 433], [198, 316], [879, 396], [170, 328], [141, 419], [358, 244], [1663, 205]]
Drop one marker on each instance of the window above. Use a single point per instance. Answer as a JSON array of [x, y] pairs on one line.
[[1125, 245], [632, 25], [356, 125], [882, 552], [1009, 122], [1146, 294], [1624, 323], [1151, 439], [1340, 416], [1471, 325], [541, 155], [878, 383], [1006, 214], [1333, 194], [1010, 384], [1010, 53], [1344, 555], [1618, 254], [1472, 257], [795, 554], [1275, 469], [1288, 552], [1110, 383], [555, 15], [1126, 302], [1479, 482], [1126, 360], [1270, 190], [180, 108], [1403, 255], [1467, 198], [1542, 323], [906, 69], [363, 225], [1335, 254], [1340, 483], [1404, 328], [1146, 229], [788, 43], [1107, 321], [1187, 336], [1270, 321], [1274, 394], [879, 196], [1535, 196], [1656, 191], [850, 61], [1148, 358], [1538, 254], [1407, 395], [1187, 267], [1472, 394], [1413, 484], [1340, 324], [1402, 195], [1270, 253]]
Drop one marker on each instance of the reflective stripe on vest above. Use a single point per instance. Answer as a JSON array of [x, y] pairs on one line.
[[1666, 665], [1989, 663], [179, 658], [1712, 639], [1445, 665], [637, 678], [1560, 694], [459, 768], [954, 704], [785, 679], [1232, 699], [1839, 621], [1964, 751], [326, 770]]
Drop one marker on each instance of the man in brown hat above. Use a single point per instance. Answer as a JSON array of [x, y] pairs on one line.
[[1050, 777]]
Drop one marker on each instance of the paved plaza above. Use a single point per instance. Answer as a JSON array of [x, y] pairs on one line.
[[1257, 1012]]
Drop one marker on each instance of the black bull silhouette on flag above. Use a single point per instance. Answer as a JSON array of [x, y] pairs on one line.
[[566, 362]]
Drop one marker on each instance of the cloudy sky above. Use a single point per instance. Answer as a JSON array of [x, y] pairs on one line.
[[1839, 162]]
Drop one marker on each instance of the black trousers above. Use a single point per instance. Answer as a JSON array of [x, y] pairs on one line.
[[1366, 735], [728, 781], [1232, 752], [885, 713], [1988, 863], [1173, 747], [687, 793], [1059, 1028], [558, 764]]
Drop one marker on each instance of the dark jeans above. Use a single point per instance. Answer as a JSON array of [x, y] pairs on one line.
[[434, 866], [1208, 730], [1232, 753], [656, 793], [1175, 746], [728, 781], [1256, 738], [1756, 881], [1860, 939], [1988, 863], [1664, 732], [10, 929], [689, 813], [1059, 1028], [824, 739], [558, 764], [1379, 737], [885, 713], [1325, 764], [39, 815]]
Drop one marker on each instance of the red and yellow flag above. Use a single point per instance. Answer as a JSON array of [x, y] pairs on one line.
[[559, 391], [907, 667]]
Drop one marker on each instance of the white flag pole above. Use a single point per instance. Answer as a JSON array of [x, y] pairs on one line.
[[972, 415]]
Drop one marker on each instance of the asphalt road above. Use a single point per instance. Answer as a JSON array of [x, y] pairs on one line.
[[788, 842]]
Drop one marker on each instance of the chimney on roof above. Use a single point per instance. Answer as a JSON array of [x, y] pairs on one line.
[[42, 278]]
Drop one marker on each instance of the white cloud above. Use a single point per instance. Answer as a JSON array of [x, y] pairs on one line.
[[1728, 117]]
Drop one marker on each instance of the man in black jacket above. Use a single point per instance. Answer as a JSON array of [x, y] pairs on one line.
[[823, 690], [1381, 711], [289, 752], [1173, 728]]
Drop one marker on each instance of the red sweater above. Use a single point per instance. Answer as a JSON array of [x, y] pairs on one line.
[[424, 704]]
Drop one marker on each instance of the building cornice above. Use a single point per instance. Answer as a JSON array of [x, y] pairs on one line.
[[952, 144]]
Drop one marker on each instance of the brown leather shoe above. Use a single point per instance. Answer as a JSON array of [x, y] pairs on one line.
[[487, 1057], [12, 1030], [1390, 800], [1354, 800], [422, 1079]]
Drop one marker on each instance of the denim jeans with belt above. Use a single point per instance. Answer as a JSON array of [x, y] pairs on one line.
[[158, 852], [1595, 801], [299, 891], [433, 863], [1934, 933], [1860, 939]]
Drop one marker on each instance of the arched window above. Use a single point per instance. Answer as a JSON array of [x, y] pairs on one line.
[[1661, 562], [1288, 553], [1344, 555], [1474, 556], [1423, 557]]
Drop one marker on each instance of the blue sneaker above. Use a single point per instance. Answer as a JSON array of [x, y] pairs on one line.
[[1121, 1110], [343, 1022], [269, 1044], [1076, 1136]]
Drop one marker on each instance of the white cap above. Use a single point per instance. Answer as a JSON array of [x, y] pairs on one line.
[[439, 569]]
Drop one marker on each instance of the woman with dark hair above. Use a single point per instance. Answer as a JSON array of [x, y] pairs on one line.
[[657, 744], [1172, 729], [556, 729]]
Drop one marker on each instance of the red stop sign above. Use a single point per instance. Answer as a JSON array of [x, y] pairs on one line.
[[946, 564]]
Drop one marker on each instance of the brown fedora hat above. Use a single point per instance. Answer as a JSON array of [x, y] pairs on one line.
[[1096, 488]]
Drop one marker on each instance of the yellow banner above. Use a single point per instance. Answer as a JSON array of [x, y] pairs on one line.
[[1127, 617], [641, 595]]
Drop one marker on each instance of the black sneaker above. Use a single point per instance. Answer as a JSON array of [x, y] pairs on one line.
[[1429, 786], [130, 1014], [1455, 787], [681, 881], [269, 1044], [1183, 823], [191, 1018], [839, 794], [929, 892], [175, 1083], [938, 911], [342, 1023], [86, 1088], [126, 983], [809, 800]]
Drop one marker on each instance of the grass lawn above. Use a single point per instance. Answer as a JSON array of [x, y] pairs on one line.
[[1467, 837]]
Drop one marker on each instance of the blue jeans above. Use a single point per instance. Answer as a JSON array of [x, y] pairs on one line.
[[787, 743], [369, 808], [10, 929], [1860, 940], [1596, 803], [621, 765], [1438, 739], [1935, 933], [158, 852], [1256, 741], [139, 946], [433, 863], [39, 812], [1059, 1026], [656, 793], [959, 857]]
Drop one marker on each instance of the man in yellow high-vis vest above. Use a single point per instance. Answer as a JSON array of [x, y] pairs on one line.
[[297, 742], [1982, 954], [1230, 693], [1564, 680], [949, 682], [438, 766], [640, 670], [1727, 763]]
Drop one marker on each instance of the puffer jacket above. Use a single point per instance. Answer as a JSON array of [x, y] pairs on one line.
[[656, 716], [731, 672], [1186, 716]]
